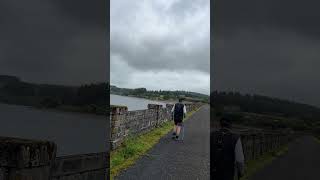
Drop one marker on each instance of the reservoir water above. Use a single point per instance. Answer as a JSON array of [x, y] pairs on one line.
[[133, 103], [74, 133]]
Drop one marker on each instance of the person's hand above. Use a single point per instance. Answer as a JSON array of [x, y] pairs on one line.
[[240, 169]]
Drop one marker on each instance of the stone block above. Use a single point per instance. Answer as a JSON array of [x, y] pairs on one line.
[[26, 159], [154, 106]]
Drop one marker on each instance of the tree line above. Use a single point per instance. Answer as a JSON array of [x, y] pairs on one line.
[[267, 112], [265, 105], [91, 98], [159, 94]]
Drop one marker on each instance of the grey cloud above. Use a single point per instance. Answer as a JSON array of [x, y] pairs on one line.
[[294, 15], [157, 55], [268, 47], [164, 52], [44, 41], [161, 44], [91, 13], [182, 8]]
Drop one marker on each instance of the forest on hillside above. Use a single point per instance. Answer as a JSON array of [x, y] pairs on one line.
[[266, 111], [89, 98], [265, 105], [159, 95]]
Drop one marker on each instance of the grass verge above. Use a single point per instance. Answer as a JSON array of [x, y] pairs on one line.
[[134, 147], [317, 138], [255, 165]]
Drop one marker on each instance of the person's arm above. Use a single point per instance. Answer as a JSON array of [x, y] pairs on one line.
[[184, 110], [239, 158], [172, 111]]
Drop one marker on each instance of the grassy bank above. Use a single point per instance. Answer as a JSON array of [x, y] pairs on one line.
[[255, 165], [133, 148]]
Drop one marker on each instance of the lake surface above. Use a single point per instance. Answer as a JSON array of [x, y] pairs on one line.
[[73, 133], [132, 103]]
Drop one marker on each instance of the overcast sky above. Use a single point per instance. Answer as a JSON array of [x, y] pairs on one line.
[[54, 41], [160, 44], [269, 47]]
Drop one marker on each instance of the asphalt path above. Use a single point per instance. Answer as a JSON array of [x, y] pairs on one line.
[[177, 160], [301, 162]]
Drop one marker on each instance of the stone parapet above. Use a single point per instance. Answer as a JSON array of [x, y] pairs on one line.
[[129, 123], [26, 159], [22, 159]]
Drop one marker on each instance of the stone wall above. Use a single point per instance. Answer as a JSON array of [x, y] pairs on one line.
[[26, 159], [80, 167], [257, 143], [126, 123], [36, 160]]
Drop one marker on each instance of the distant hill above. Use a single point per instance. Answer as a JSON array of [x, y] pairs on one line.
[[265, 105], [266, 111], [85, 98], [160, 95]]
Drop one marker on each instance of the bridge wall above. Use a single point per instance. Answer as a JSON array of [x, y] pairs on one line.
[[26, 159], [126, 123], [36, 160], [256, 144], [81, 167]]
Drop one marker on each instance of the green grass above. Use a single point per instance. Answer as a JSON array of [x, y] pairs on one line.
[[255, 165], [134, 147]]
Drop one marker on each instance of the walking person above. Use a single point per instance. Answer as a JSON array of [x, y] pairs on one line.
[[227, 154], [179, 112]]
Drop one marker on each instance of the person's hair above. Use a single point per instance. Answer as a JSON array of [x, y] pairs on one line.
[[180, 99], [225, 122]]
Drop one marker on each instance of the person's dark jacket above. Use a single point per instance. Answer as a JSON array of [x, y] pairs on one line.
[[226, 155]]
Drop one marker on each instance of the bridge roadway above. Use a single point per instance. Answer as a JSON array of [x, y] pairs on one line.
[[302, 162], [174, 160]]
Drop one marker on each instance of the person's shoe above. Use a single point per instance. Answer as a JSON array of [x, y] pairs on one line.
[[174, 135], [177, 138]]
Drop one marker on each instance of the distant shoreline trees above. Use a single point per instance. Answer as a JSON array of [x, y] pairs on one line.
[[265, 105], [91, 98], [266, 111], [159, 95]]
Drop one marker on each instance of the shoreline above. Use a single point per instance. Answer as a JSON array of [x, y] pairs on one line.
[[162, 101], [54, 110]]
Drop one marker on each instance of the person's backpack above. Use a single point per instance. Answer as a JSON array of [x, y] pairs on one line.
[[222, 155], [178, 111]]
